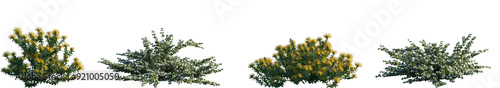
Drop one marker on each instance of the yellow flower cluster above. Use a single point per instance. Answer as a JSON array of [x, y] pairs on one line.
[[279, 47], [12, 36], [314, 57], [17, 31], [357, 64], [327, 35], [308, 67], [56, 32], [32, 35], [64, 68], [336, 79], [45, 67], [264, 61], [65, 45], [38, 29]]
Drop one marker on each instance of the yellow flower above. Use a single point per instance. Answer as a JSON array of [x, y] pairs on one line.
[[357, 64], [39, 29], [315, 41], [354, 75], [49, 33], [320, 73], [64, 37], [17, 30], [275, 55], [66, 45], [327, 36], [292, 41], [80, 66], [336, 79], [323, 60], [45, 67], [38, 60], [278, 47], [328, 45], [49, 49], [300, 75], [56, 32], [42, 48], [64, 68], [341, 69], [12, 36], [32, 34], [308, 38], [333, 59], [319, 39]]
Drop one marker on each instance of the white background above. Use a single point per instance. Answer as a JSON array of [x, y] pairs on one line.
[[250, 29]]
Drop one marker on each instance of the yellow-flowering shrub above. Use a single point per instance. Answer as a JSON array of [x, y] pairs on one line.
[[309, 62], [39, 58]]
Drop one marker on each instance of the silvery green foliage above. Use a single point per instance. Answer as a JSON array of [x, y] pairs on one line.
[[158, 62], [432, 62]]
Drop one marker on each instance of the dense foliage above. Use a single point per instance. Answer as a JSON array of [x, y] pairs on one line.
[[311, 62], [158, 62], [432, 62], [39, 61]]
